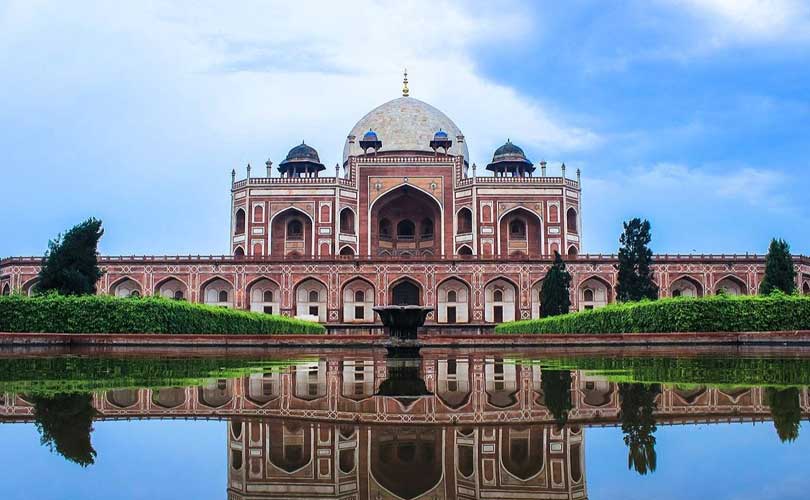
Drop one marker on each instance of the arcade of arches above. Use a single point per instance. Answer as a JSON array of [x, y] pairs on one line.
[[406, 221]]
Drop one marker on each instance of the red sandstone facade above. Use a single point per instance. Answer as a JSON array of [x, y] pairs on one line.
[[409, 221]]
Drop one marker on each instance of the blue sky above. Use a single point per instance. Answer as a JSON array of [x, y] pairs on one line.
[[692, 113]]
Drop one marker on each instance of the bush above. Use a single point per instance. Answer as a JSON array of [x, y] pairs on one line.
[[775, 312], [103, 314]]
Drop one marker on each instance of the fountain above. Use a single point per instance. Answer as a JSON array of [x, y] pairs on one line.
[[403, 322]]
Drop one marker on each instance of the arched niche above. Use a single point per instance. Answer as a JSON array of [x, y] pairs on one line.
[[263, 387], [265, 296], [453, 301], [596, 393], [730, 285], [358, 379], [122, 398], [29, 288], [358, 302], [464, 221], [407, 461], [347, 221], [571, 222], [216, 393], [536, 298], [500, 297], [291, 233], [406, 221], [501, 382], [126, 287], [218, 292], [523, 451], [593, 294], [520, 233], [310, 380], [239, 221], [405, 292], [311, 300], [686, 287], [169, 397], [172, 288], [453, 382]]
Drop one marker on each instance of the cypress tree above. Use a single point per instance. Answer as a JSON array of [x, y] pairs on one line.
[[635, 258], [786, 412], [779, 271], [556, 386], [70, 266], [65, 422], [638, 425], [554, 295]]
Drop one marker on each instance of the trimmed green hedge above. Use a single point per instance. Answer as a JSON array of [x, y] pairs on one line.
[[105, 314], [722, 313]]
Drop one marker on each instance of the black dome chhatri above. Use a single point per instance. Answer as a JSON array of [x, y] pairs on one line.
[[510, 158], [301, 158]]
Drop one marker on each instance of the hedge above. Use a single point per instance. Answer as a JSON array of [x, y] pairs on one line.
[[722, 313], [105, 314], [70, 374]]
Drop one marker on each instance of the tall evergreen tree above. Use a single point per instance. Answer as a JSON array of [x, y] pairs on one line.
[[555, 297], [65, 422], [70, 266], [635, 258], [556, 386], [779, 271], [638, 425], [785, 411]]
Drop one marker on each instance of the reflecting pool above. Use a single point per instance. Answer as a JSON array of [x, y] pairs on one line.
[[435, 424]]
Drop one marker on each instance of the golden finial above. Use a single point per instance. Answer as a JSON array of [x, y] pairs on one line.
[[405, 84]]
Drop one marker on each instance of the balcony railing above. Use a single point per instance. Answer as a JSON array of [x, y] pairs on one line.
[[231, 259]]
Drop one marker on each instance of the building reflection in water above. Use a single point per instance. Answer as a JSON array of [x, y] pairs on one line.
[[284, 459]]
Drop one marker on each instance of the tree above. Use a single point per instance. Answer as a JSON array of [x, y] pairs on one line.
[[635, 257], [779, 271], [554, 295], [65, 422], [70, 266], [556, 386], [638, 425], [785, 411]]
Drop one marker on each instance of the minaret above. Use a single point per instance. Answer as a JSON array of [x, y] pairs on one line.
[[405, 91]]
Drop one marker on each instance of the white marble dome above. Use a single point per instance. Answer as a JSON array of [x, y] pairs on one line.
[[405, 124]]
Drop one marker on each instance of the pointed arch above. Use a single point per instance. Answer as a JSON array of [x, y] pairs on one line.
[[731, 285], [357, 295], [387, 194], [264, 295], [453, 300], [6, 289], [172, 287], [464, 251], [348, 220], [285, 211], [400, 291], [536, 297], [571, 220], [464, 220], [217, 291], [500, 300], [311, 296], [239, 221], [594, 292], [126, 287], [502, 241], [239, 252], [806, 288], [29, 288], [346, 251], [686, 286]]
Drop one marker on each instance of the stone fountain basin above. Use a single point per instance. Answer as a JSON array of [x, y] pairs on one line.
[[402, 322]]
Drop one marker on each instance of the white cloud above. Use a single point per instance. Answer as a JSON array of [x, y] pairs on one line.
[[750, 21], [276, 72]]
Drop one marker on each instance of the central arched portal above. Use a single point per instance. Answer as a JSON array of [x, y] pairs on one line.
[[406, 221], [405, 293]]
